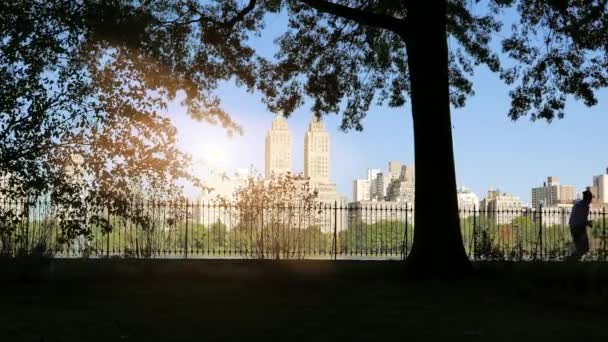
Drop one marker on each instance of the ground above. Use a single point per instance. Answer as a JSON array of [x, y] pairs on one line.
[[313, 301]]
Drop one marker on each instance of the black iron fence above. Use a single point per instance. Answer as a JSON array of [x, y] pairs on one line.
[[325, 231]]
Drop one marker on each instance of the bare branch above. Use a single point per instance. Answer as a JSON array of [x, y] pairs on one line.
[[357, 15]]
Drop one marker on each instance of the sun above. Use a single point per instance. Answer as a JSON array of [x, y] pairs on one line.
[[213, 154]]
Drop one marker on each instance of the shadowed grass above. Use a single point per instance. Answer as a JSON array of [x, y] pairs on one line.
[[98, 300]]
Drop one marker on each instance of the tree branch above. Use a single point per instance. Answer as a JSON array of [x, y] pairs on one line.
[[225, 25], [360, 16], [241, 14]]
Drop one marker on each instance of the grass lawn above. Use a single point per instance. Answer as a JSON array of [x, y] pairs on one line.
[[312, 301]]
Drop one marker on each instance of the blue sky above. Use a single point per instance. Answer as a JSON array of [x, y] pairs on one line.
[[490, 149]]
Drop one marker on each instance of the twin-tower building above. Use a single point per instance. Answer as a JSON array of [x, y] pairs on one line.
[[278, 156]]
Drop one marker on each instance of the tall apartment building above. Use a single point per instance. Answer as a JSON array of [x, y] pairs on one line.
[[552, 193], [278, 148], [379, 186], [317, 162], [600, 188], [316, 152]]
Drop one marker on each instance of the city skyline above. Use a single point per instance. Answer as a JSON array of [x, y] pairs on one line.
[[491, 151], [344, 183]]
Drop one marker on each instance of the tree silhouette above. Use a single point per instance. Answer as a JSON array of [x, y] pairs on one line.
[[78, 125], [346, 55]]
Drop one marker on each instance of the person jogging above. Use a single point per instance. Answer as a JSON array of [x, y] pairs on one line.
[[579, 221]]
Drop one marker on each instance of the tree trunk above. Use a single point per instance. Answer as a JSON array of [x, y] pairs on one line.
[[438, 248]]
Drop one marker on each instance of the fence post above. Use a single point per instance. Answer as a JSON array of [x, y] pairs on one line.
[[108, 245], [335, 230], [604, 232], [107, 231], [474, 232], [540, 230], [186, 233], [404, 249], [26, 212]]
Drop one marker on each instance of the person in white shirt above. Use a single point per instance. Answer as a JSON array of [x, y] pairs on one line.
[[579, 221]]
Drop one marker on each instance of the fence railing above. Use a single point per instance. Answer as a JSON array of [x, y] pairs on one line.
[[282, 231]]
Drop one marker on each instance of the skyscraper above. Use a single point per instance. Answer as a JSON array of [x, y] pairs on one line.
[[316, 153], [278, 148]]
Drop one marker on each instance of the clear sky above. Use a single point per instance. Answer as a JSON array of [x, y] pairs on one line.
[[490, 149]]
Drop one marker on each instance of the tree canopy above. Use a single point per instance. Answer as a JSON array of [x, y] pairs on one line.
[[345, 55]]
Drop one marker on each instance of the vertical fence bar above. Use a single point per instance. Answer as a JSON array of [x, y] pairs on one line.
[[336, 230], [108, 234], [604, 233], [27, 226], [540, 231], [473, 250], [186, 233], [405, 251]]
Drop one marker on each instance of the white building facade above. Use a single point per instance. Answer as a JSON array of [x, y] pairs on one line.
[[600, 188], [361, 190], [501, 208], [468, 202], [278, 148]]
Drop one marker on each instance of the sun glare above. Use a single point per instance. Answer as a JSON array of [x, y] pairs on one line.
[[213, 154]]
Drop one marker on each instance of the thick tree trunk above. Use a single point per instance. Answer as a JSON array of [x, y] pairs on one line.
[[438, 247]]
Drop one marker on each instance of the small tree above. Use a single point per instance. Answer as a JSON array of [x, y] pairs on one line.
[[274, 215]]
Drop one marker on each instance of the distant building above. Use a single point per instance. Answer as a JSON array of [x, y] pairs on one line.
[[379, 186], [372, 174], [468, 202], [317, 171], [361, 190], [552, 193], [600, 188], [278, 148], [371, 188], [395, 185], [408, 173], [394, 169], [401, 191], [316, 153], [501, 208], [402, 188], [316, 162]]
